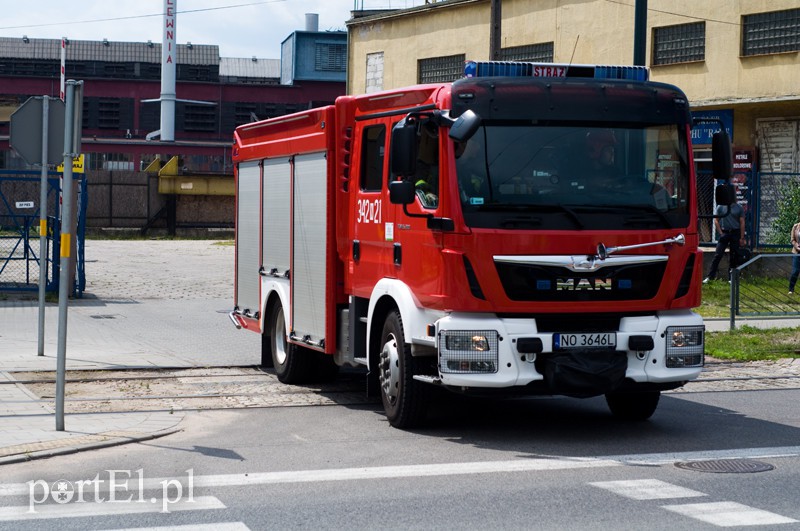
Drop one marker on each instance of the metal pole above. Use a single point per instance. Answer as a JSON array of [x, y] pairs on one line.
[[66, 244], [734, 296], [43, 221], [495, 30], [640, 33]]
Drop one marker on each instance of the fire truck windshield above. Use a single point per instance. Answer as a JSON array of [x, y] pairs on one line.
[[574, 176]]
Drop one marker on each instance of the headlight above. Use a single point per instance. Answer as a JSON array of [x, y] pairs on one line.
[[477, 342], [468, 351], [685, 346]]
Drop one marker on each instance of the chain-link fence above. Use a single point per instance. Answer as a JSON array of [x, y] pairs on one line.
[[20, 248], [771, 202], [778, 196]]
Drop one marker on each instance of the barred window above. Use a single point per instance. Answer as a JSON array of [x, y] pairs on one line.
[[773, 32], [199, 118], [537, 53], [108, 113], [682, 43], [330, 57], [440, 69]]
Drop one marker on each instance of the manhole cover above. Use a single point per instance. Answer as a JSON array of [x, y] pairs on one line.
[[726, 466]]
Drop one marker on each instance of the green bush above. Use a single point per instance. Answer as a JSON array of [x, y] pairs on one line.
[[788, 208]]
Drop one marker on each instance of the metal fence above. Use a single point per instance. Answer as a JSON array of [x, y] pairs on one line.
[[770, 200], [760, 287], [20, 250], [778, 201]]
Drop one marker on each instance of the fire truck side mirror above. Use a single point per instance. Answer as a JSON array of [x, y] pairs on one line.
[[401, 192], [404, 150], [465, 126], [724, 194], [721, 156]]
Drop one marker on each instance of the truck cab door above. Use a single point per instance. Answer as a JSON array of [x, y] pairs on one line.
[[373, 220]]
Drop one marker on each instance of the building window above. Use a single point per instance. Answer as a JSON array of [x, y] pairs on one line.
[[535, 53], [330, 57], [199, 118], [440, 69], [372, 158], [108, 113], [773, 32], [683, 43]]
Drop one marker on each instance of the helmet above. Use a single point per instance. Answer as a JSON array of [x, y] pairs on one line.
[[597, 141]]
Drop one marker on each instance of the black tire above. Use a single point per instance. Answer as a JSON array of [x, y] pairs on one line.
[[633, 406], [266, 347], [405, 400], [292, 363]]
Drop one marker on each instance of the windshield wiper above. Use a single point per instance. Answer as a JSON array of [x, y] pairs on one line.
[[506, 207], [632, 220], [521, 221]]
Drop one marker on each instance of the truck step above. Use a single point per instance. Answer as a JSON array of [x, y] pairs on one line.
[[361, 361], [435, 380]]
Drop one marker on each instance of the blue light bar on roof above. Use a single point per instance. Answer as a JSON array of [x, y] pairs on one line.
[[518, 69]]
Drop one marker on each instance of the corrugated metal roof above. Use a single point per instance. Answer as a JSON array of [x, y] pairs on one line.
[[254, 68], [113, 52]]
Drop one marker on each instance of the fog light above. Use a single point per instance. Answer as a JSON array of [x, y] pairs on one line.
[[685, 346]]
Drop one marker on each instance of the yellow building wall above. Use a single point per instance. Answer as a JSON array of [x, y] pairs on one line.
[[404, 39]]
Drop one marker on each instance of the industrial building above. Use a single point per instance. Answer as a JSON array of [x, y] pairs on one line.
[[121, 117]]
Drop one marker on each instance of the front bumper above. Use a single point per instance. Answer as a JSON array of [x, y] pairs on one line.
[[505, 359]]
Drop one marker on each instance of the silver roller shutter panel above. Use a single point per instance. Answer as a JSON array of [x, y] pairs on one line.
[[310, 249], [248, 255], [277, 215]]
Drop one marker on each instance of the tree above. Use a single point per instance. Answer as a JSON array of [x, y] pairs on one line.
[[788, 209]]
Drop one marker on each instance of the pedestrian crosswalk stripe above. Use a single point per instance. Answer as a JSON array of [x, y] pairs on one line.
[[79, 510], [647, 489], [729, 514], [222, 526]]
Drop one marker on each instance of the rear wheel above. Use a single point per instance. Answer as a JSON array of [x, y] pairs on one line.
[[266, 348], [292, 363], [633, 406], [404, 399]]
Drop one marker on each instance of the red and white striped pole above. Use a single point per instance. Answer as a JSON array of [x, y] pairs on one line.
[[63, 65]]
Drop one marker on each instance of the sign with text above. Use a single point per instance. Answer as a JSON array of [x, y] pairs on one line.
[[77, 165], [704, 131]]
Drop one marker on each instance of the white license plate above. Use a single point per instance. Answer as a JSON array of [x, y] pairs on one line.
[[594, 340]]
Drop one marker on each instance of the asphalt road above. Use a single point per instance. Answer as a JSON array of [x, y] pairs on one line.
[[523, 464]]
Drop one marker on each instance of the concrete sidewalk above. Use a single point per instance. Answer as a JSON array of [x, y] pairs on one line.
[[153, 304]]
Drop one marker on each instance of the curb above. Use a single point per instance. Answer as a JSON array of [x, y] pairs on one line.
[[108, 440]]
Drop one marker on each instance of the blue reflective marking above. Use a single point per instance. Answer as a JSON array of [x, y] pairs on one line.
[[543, 285], [625, 284]]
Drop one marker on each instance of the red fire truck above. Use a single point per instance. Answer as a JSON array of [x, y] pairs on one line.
[[529, 228]]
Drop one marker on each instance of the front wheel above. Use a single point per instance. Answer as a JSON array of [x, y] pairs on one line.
[[633, 406], [404, 399], [292, 363]]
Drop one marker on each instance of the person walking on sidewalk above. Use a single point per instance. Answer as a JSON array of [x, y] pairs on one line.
[[796, 257], [731, 230]]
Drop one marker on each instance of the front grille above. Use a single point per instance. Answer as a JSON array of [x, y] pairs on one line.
[[523, 282]]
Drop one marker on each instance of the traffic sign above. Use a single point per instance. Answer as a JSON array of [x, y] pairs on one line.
[[25, 134]]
